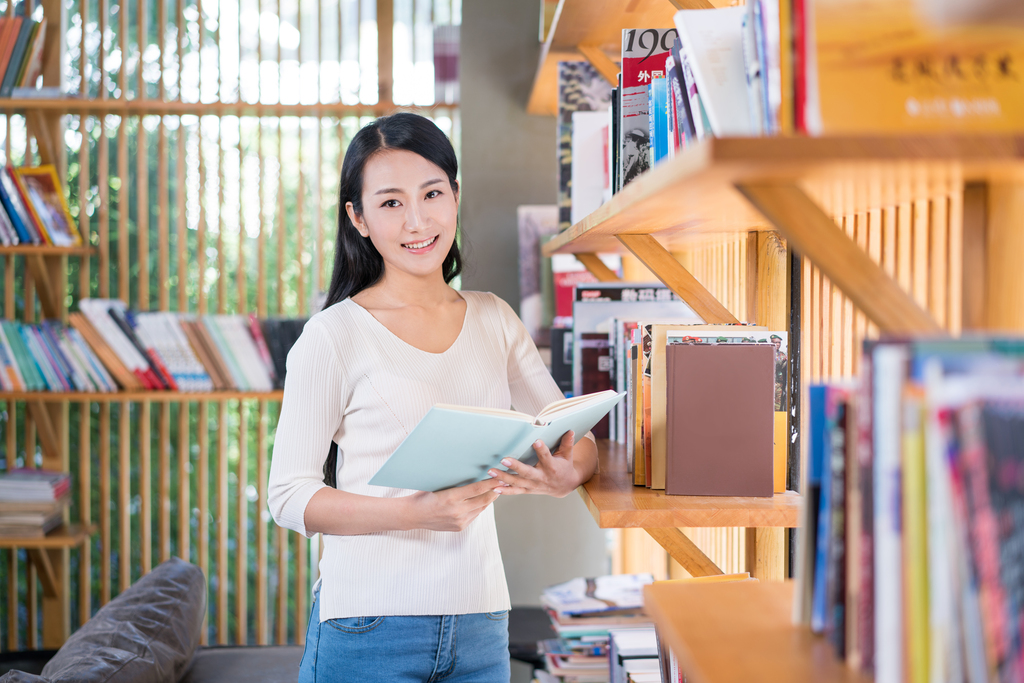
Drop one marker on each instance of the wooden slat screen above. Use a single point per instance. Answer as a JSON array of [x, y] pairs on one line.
[[203, 165]]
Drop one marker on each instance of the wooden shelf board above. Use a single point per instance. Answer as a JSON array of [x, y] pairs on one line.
[[47, 250], [615, 503], [743, 631], [139, 107], [136, 396], [694, 195], [64, 536], [594, 22]]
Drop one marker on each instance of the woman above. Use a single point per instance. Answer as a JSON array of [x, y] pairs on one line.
[[411, 583]]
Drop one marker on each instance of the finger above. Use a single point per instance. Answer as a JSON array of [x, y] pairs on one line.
[[473, 490], [484, 499], [565, 446], [543, 453], [513, 491], [520, 468], [506, 478]]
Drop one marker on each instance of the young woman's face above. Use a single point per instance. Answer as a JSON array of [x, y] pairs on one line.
[[409, 211]]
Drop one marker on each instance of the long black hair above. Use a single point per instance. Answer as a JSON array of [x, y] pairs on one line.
[[357, 263]]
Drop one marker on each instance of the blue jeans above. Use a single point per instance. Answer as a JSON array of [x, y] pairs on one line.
[[465, 648]]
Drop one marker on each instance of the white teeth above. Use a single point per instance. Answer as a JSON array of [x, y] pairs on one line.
[[420, 245]]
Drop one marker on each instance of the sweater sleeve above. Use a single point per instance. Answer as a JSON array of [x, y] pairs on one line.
[[529, 381], [311, 414]]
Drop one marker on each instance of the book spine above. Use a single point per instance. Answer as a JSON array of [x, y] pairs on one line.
[[39, 358], [17, 57], [65, 365], [11, 362], [261, 344], [54, 357], [213, 325]]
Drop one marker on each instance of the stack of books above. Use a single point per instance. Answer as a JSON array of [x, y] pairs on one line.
[[33, 209], [32, 502], [177, 352], [582, 612], [21, 53], [914, 516], [49, 357]]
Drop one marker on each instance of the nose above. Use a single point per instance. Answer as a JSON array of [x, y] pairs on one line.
[[414, 219]]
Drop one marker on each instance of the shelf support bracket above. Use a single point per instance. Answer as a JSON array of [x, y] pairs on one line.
[[678, 279], [48, 439], [597, 268], [604, 64], [44, 289], [685, 552], [814, 234], [47, 576]]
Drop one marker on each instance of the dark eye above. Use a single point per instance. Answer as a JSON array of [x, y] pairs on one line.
[[433, 193], [391, 203]]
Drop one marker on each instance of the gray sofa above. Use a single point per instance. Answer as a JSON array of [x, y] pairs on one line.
[[149, 634]]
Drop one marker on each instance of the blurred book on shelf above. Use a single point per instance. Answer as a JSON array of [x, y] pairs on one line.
[[33, 208], [910, 561], [32, 502]]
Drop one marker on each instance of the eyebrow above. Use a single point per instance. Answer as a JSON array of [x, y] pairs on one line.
[[395, 190]]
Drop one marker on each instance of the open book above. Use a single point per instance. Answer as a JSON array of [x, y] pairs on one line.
[[456, 445]]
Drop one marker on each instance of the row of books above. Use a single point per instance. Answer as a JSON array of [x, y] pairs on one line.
[[33, 209], [910, 558], [622, 338], [49, 357], [604, 636], [583, 613], [32, 502], [21, 51], [107, 348], [173, 351], [777, 67]]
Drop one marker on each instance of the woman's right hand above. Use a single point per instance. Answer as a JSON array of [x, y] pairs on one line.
[[450, 509]]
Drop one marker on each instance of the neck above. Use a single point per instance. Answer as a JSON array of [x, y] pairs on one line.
[[397, 289]]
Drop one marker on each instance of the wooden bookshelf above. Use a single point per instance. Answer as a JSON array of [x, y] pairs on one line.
[[136, 396], [698, 193], [46, 250], [64, 536], [616, 503], [592, 31], [739, 632]]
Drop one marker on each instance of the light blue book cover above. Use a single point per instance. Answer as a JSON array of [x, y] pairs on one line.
[[454, 446]]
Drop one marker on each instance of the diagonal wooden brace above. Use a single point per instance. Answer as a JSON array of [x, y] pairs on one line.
[[44, 289], [814, 234], [48, 438], [604, 64], [47, 576], [677, 278], [597, 268], [685, 552]]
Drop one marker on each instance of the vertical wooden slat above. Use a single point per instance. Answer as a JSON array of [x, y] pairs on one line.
[[938, 264], [281, 243], [262, 614], [124, 503], [385, 50], [145, 488], [164, 481], [203, 493], [12, 600], [282, 585], [184, 483], [956, 254], [222, 523], [242, 542], [104, 504]]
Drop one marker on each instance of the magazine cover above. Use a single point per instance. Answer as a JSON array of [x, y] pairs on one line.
[[536, 223], [643, 59], [580, 88]]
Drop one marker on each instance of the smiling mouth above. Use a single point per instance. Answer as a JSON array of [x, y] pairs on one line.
[[421, 245]]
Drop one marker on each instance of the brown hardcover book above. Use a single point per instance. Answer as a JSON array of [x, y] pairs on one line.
[[721, 400], [207, 356], [596, 358], [128, 380]]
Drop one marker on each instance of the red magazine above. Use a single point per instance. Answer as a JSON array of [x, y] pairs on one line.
[[643, 59]]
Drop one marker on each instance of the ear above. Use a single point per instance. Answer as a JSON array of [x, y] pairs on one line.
[[455, 191], [357, 220]]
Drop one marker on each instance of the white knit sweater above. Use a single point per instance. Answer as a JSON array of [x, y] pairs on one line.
[[351, 380]]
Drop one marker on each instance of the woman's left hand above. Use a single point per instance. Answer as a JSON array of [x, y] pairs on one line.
[[554, 474]]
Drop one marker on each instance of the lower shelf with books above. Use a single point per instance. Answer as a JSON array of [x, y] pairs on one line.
[[616, 503], [741, 631], [64, 536]]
